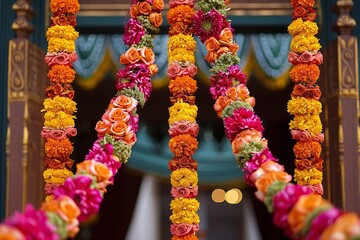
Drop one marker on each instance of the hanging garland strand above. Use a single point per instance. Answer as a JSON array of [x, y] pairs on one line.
[[306, 126], [59, 106], [183, 128], [299, 210], [80, 195]]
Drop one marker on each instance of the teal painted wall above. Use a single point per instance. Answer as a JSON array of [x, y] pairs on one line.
[[6, 18]]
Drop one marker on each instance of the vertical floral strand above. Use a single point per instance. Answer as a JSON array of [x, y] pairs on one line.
[[59, 106], [183, 128], [304, 104], [299, 212], [80, 195]]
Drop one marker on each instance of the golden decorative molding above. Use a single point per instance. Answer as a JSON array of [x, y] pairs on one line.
[[345, 22], [24, 13]]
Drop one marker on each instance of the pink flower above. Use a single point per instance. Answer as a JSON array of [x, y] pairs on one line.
[[321, 222], [182, 127], [80, 190], [71, 131], [174, 3], [133, 32], [317, 188], [174, 70], [183, 229], [60, 58], [241, 119], [49, 188], [305, 57], [183, 192], [33, 224]]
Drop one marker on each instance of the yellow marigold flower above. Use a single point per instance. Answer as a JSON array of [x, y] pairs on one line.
[[301, 105], [310, 176], [182, 117], [181, 55], [56, 176], [302, 43], [310, 123], [186, 216], [49, 198], [56, 45], [181, 108], [300, 27], [59, 104], [65, 32], [58, 120], [181, 204], [181, 41], [184, 177]]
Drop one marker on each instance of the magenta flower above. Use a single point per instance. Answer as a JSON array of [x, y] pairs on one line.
[[284, 201], [236, 74], [241, 119], [135, 75], [133, 32], [209, 24], [33, 224], [322, 221], [134, 122], [105, 156], [255, 162], [80, 190]]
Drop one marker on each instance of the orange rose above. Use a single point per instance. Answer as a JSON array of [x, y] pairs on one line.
[[134, 11], [158, 5], [222, 50], [243, 91], [144, 8], [220, 104], [125, 102], [97, 169], [68, 210], [251, 101], [301, 210], [147, 55], [212, 44], [118, 129], [226, 36], [211, 57], [232, 93], [265, 180], [101, 128], [177, 28], [132, 56], [130, 137], [153, 68], [119, 115], [156, 19], [244, 138], [347, 226], [10, 233], [123, 59], [233, 48]]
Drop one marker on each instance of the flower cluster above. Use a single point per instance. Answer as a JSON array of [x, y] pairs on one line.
[[59, 106], [304, 104], [74, 198], [298, 210], [183, 128]]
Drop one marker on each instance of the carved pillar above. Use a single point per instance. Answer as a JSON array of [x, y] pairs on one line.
[[340, 79], [26, 84]]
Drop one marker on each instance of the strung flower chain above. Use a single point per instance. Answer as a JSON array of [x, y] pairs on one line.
[[59, 106], [183, 128], [306, 126], [76, 199], [299, 210]]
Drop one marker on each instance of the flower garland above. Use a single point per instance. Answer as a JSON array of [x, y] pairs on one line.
[[183, 128], [306, 126], [59, 106], [79, 196], [298, 210]]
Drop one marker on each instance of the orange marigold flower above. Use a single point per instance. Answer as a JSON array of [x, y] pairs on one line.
[[186, 237], [305, 73], [59, 7], [302, 3], [181, 13], [61, 74], [303, 164], [182, 98], [182, 85], [308, 149], [58, 149], [183, 145]]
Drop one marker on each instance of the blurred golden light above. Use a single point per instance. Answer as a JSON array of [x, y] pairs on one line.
[[218, 195], [233, 196]]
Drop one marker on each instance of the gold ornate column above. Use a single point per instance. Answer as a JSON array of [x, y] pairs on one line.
[[26, 83], [340, 79]]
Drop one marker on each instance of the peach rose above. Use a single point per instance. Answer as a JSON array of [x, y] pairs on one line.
[[226, 36], [220, 104], [243, 91], [266, 179], [158, 5], [153, 68], [147, 55], [10, 233], [118, 129], [251, 101], [130, 136], [134, 11], [119, 115], [233, 48], [211, 57], [97, 169], [68, 210], [345, 227], [212, 44], [156, 19], [144, 8], [232, 93], [222, 50], [270, 166], [243, 138], [301, 210], [125, 102], [101, 128], [132, 55]]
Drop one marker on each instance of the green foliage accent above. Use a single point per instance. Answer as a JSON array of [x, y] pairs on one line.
[[247, 152], [121, 149], [61, 225], [134, 93], [145, 41], [223, 62], [147, 25], [208, 5], [273, 189], [233, 105]]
